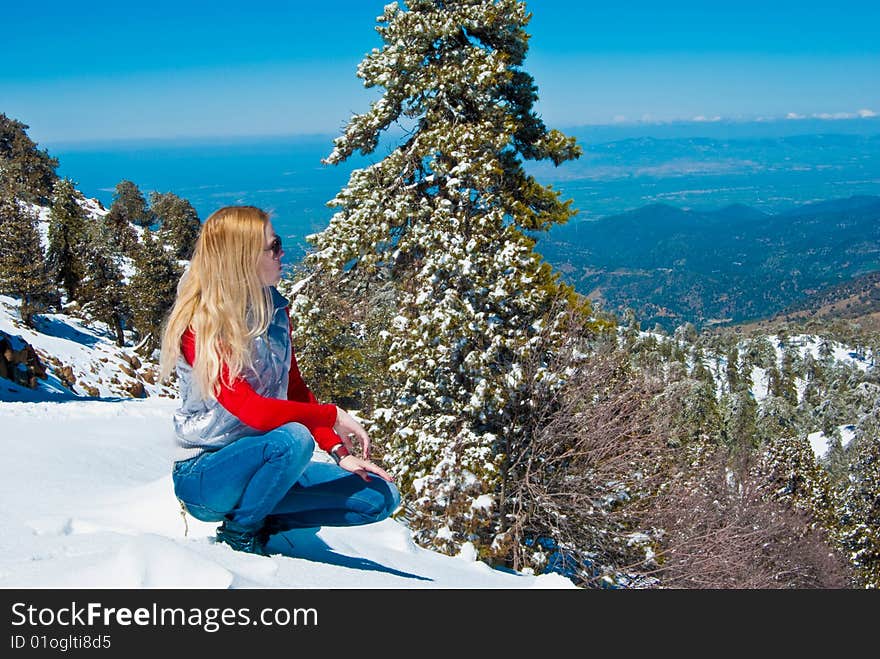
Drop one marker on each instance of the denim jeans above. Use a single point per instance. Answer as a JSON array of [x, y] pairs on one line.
[[272, 477]]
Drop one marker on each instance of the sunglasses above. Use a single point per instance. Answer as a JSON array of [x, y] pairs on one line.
[[275, 247]]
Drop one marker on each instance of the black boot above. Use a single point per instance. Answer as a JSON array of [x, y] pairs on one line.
[[252, 542]]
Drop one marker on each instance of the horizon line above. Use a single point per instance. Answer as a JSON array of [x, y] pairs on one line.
[[791, 120]]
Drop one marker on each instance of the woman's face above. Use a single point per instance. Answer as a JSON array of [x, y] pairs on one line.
[[269, 265]]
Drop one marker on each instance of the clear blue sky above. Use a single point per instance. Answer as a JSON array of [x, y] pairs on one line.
[[87, 70]]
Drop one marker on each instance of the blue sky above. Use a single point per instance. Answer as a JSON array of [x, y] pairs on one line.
[[91, 70]]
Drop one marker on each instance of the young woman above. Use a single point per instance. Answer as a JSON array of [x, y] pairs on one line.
[[247, 424]]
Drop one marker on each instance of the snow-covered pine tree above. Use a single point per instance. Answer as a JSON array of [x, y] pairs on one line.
[[179, 222], [103, 292], [790, 472], [443, 218], [123, 234], [130, 205], [23, 271], [858, 502], [151, 290], [67, 226], [26, 172]]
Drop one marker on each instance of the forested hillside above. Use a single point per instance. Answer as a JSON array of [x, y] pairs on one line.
[[736, 264], [61, 252]]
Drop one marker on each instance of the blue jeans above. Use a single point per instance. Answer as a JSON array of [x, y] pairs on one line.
[[271, 478]]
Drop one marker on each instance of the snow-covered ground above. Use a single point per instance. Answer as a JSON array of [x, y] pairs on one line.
[[97, 364], [86, 497], [86, 501]]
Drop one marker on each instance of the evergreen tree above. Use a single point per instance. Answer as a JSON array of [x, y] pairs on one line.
[[26, 172], [826, 351], [342, 355], [152, 290], [442, 219], [790, 473], [732, 369], [123, 235], [776, 417], [129, 205], [780, 383], [740, 428], [686, 333], [760, 353], [699, 370], [790, 366], [859, 502], [696, 414], [67, 226], [23, 271], [632, 328], [180, 223], [103, 292], [836, 459]]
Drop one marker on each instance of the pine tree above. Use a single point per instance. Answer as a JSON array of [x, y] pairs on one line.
[[152, 290], [179, 223], [123, 235], [699, 370], [632, 328], [686, 333], [67, 226], [740, 427], [859, 502], [23, 271], [760, 352], [130, 205], [790, 366], [732, 369], [780, 382], [442, 218], [26, 172], [103, 292], [826, 351], [696, 414], [342, 354], [790, 472], [776, 417]]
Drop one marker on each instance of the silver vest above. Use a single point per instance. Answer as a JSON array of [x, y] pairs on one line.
[[203, 424]]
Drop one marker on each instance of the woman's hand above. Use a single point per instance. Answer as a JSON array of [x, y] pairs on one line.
[[363, 468], [347, 427]]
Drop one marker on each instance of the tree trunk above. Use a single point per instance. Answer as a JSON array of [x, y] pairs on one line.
[[117, 325]]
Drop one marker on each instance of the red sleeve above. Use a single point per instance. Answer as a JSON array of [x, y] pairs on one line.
[[265, 414], [326, 438]]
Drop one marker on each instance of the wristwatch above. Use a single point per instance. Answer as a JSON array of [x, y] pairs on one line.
[[338, 452]]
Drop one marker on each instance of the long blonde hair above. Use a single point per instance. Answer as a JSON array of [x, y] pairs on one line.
[[221, 298]]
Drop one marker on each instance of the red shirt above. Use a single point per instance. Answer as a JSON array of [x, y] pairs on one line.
[[265, 414]]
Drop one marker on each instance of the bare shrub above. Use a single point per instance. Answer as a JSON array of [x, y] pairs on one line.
[[611, 490], [596, 448], [722, 531]]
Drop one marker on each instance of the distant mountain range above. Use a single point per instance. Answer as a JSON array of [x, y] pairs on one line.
[[725, 266]]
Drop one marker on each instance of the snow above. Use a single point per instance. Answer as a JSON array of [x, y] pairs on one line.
[[87, 502], [847, 434], [88, 349], [821, 443]]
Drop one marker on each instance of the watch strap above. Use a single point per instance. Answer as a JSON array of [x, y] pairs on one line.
[[338, 452]]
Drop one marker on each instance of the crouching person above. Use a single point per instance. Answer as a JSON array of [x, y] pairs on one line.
[[247, 424]]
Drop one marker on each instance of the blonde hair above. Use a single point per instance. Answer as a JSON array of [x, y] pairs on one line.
[[221, 298]]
